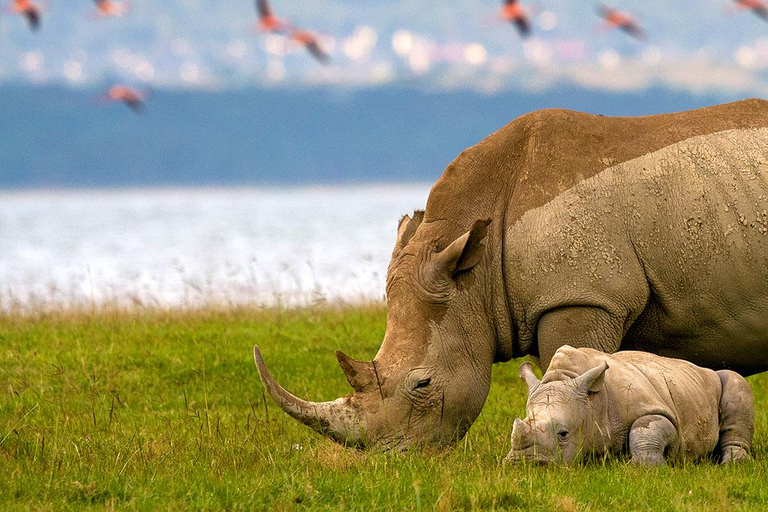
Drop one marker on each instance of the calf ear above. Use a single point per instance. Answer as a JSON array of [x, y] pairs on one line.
[[526, 373], [591, 380], [464, 252]]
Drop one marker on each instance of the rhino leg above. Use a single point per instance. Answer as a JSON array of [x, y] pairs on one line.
[[737, 417], [578, 327], [649, 439]]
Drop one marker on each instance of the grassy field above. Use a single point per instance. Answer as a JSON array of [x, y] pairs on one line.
[[164, 410]]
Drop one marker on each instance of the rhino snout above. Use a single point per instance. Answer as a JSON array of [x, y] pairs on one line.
[[529, 456]]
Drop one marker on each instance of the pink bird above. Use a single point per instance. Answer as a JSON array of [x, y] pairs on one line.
[[30, 10], [128, 95], [513, 12], [268, 22], [759, 7], [614, 18], [111, 8], [310, 42]]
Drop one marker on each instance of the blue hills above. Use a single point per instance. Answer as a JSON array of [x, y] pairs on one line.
[[59, 137]]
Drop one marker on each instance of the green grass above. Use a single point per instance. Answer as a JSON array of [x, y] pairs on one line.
[[164, 410]]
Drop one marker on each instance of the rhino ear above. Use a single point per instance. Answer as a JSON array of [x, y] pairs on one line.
[[591, 380], [464, 252], [526, 373], [361, 375]]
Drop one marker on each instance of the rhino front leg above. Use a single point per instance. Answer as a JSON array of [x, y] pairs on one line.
[[737, 417], [649, 438], [579, 327]]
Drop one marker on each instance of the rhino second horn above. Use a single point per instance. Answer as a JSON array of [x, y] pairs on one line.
[[361, 375], [335, 419]]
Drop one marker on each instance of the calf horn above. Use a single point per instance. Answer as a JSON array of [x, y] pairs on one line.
[[335, 419]]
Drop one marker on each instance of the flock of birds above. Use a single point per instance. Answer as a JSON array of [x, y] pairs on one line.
[[511, 11], [134, 98], [515, 13]]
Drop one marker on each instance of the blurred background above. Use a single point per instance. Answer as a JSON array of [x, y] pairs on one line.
[[255, 173]]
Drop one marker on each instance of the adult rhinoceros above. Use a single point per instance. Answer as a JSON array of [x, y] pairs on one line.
[[647, 233]]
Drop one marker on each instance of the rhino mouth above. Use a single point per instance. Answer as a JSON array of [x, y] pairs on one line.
[[530, 457]]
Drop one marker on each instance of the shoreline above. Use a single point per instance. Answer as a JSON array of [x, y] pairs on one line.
[[130, 308]]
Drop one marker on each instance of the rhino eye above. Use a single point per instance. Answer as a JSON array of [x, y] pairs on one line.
[[562, 435], [423, 383]]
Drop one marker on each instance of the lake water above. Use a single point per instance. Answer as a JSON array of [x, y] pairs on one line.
[[193, 247]]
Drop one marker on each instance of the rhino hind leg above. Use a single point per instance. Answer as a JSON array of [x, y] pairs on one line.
[[650, 438], [737, 417]]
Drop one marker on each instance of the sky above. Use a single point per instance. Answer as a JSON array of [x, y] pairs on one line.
[[694, 46]]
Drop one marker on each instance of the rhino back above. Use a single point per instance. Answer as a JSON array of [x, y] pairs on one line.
[[699, 225], [539, 155], [676, 241]]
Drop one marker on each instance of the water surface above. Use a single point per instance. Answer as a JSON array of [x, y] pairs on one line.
[[187, 247]]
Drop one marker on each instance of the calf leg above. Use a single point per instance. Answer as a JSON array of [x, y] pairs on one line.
[[737, 417], [649, 438]]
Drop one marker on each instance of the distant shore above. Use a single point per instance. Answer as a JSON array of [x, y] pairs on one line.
[[190, 248]]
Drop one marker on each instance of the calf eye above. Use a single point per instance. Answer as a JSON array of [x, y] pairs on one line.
[[423, 383], [562, 435]]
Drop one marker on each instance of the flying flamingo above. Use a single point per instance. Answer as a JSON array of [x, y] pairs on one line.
[[29, 9], [124, 94], [268, 22], [759, 7], [310, 42], [514, 13], [111, 8], [614, 18]]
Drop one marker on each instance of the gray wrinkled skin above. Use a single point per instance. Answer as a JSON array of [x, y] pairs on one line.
[[646, 233], [589, 402]]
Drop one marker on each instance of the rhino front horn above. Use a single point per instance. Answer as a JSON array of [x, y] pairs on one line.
[[520, 428], [335, 419]]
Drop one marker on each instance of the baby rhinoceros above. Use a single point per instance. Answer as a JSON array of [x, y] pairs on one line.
[[590, 402]]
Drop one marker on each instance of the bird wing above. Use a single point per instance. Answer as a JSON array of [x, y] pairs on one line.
[[633, 29], [263, 9], [316, 51], [33, 15], [762, 11], [523, 26], [604, 11], [135, 104]]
